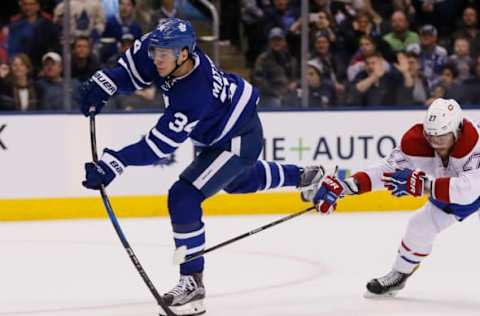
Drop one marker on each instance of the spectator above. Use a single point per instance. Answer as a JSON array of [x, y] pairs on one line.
[[4, 73], [420, 92], [357, 63], [3, 44], [367, 6], [407, 7], [230, 22], [405, 89], [84, 63], [469, 30], [280, 15], [125, 43], [253, 20], [283, 14], [447, 87], [342, 11], [321, 5], [461, 58], [86, 18], [401, 36], [321, 92], [362, 25], [118, 25], [471, 87], [331, 66], [32, 33], [320, 21], [432, 56], [4, 70], [275, 71], [440, 13], [17, 91], [378, 84], [147, 98], [50, 84], [168, 9]]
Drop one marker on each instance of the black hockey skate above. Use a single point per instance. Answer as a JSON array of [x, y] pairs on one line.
[[387, 285], [310, 177], [186, 298]]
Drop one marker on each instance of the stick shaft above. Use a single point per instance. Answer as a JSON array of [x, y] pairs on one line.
[[247, 234], [119, 231]]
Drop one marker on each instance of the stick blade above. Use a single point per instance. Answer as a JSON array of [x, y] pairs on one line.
[[179, 255]]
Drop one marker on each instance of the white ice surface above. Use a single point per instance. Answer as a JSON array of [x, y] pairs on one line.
[[309, 266]]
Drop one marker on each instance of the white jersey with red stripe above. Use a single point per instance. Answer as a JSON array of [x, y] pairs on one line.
[[456, 183]]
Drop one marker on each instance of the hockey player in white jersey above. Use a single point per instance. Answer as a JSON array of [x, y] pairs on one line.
[[217, 111], [441, 158]]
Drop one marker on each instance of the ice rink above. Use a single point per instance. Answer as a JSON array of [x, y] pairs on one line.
[[309, 266]]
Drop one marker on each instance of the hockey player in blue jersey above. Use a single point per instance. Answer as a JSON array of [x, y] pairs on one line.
[[217, 111]]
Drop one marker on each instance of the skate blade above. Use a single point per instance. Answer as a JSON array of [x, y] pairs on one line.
[[194, 308], [387, 295]]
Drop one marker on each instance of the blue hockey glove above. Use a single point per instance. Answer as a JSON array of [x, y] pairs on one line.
[[95, 92], [104, 171], [325, 199], [405, 182]]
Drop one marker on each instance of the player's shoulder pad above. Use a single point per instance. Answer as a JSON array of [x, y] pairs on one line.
[[414, 143], [467, 140]]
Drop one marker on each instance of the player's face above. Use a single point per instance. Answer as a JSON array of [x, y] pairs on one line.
[[165, 60], [441, 143]]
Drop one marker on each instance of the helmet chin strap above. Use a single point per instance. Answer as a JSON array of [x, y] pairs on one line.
[[168, 77]]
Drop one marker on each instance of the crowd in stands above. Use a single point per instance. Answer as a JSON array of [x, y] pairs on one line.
[[31, 63], [362, 52], [366, 53]]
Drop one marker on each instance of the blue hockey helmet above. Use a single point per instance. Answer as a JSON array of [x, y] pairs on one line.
[[173, 33]]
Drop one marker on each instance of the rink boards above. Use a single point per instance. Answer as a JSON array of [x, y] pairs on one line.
[[42, 157]]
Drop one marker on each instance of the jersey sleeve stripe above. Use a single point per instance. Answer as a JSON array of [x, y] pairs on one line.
[[364, 182], [240, 106], [268, 175], [135, 72], [124, 65], [170, 142], [281, 174], [441, 190], [154, 148]]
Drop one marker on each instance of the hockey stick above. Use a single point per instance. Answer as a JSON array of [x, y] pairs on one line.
[[118, 229], [180, 255]]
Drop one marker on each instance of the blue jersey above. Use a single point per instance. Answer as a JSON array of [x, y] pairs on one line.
[[207, 105]]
